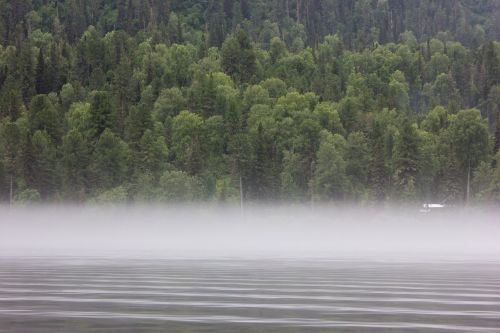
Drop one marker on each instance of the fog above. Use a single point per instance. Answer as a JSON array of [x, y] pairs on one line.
[[256, 232]]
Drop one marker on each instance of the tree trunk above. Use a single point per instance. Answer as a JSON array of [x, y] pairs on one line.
[[311, 181], [468, 185], [298, 11], [241, 197], [11, 191]]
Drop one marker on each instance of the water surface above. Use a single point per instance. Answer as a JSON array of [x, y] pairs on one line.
[[71, 294]]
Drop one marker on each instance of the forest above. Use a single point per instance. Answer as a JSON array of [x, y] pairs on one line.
[[286, 100]]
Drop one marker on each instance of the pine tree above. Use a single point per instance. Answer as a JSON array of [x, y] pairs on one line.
[[451, 185], [378, 173], [41, 84], [43, 116], [109, 161], [45, 164], [238, 56], [101, 110], [10, 138], [75, 161], [330, 177], [260, 186], [26, 71], [406, 160], [122, 92], [491, 63]]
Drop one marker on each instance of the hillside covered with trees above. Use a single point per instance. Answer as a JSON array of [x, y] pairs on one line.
[[327, 100]]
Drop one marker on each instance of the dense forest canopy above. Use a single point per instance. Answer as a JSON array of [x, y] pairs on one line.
[[297, 100]]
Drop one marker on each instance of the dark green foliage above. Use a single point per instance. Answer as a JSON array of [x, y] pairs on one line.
[[357, 157], [110, 160], [41, 80], [301, 100], [330, 179], [75, 163], [378, 172], [10, 139], [136, 123], [451, 182], [178, 186], [238, 56], [153, 154], [101, 112], [261, 174], [45, 171], [406, 160], [43, 116]]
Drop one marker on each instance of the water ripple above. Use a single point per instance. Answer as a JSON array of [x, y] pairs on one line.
[[49, 295]]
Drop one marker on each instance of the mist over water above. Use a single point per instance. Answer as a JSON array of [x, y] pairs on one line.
[[259, 231], [216, 269]]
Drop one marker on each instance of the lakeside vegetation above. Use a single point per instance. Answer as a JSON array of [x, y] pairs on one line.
[[164, 101]]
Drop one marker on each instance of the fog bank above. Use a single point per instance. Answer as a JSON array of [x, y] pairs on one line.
[[264, 231]]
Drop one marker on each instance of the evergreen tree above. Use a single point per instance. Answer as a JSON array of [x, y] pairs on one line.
[[41, 80], [377, 167], [187, 140], [110, 161], [10, 138], [153, 154], [451, 183], [43, 116], [357, 158], [238, 56], [469, 134], [75, 163], [406, 160], [101, 113], [331, 181], [44, 164], [261, 174]]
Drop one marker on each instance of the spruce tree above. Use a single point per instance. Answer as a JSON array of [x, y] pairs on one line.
[[41, 85]]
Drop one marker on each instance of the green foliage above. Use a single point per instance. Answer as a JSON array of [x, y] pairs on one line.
[[187, 141], [169, 103], [153, 153], [330, 177], [225, 191], [136, 123], [101, 112], [481, 180], [79, 117], [470, 138], [406, 155], [357, 156], [176, 100], [178, 186], [28, 196], [494, 187], [116, 195], [435, 120], [75, 163], [238, 56], [10, 138], [110, 160], [329, 118], [398, 91], [44, 164], [44, 116], [291, 176], [297, 70]]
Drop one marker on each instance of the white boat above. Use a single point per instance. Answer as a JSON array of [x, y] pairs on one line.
[[429, 207]]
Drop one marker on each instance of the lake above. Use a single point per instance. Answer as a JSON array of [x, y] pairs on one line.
[[97, 294]]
